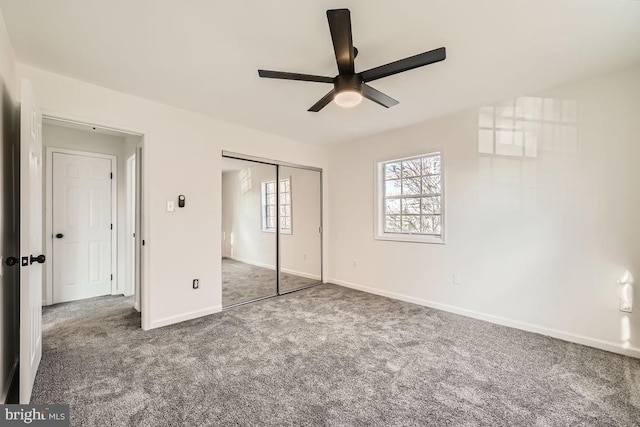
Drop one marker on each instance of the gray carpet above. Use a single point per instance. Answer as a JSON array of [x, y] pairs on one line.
[[324, 356], [243, 282]]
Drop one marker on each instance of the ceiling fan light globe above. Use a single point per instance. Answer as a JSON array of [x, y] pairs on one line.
[[348, 98]]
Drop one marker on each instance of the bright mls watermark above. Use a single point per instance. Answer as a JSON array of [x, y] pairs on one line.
[[34, 415]]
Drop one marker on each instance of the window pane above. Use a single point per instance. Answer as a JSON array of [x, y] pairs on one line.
[[283, 211], [271, 199], [411, 206], [285, 222], [431, 224], [271, 187], [485, 141], [411, 186], [392, 206], [392, 187], [271, 222], [412, 168], [431, 205], [431, 165], [271, 211], [411, 223], [392, 170], [285, 199], [431, 185], [392, 224]]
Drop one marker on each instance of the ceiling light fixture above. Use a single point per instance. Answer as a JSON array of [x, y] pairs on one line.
[[348, 98]]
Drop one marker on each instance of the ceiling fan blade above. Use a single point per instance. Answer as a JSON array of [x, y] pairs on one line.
[[377, 96], [340, 27], [294, 76], [323, 102], [406, 64]]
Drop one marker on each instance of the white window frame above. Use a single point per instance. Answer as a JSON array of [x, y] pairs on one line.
[[379, 176], [265, 206]]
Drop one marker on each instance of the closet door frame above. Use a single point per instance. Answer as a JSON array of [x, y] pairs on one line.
[[278, 165]]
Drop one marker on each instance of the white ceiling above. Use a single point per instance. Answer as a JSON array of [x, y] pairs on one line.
[[203, 55]]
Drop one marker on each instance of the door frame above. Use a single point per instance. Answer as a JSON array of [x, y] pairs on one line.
[[143, 193], [48, 231], [129, 228]]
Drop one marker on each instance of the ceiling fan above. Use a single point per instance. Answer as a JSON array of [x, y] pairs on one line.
[[348, 86]]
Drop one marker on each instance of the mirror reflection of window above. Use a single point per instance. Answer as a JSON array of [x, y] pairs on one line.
[[270, 208]]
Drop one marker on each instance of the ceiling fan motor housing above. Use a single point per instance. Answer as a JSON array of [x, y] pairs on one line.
[[347, 82]]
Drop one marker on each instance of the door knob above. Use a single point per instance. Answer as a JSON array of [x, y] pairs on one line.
[[11, 261], [39, 259], [59, 236]]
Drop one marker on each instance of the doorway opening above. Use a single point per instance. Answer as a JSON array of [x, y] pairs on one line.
[[93, 212], [271, 228]]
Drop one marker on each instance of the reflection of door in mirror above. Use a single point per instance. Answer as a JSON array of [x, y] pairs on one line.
[[300, 222], [248, 244]]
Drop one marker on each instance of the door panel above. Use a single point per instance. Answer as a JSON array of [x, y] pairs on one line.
[[82, 210], [249, 240], [30, 240], [300, 228]]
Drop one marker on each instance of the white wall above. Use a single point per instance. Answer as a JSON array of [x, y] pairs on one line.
[[182, 155], [8, 212], [94, 142], [539, 241]]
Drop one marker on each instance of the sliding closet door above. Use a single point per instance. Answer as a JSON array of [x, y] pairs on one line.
[[300, 217], [249, 215]]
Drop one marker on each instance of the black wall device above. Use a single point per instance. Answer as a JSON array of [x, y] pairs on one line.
[[181, 201]]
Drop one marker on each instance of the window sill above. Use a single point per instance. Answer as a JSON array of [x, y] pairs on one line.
[[411, 238], [273, 230]]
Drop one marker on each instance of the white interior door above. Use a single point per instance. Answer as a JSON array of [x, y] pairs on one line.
[[30, 240], [82, 227]]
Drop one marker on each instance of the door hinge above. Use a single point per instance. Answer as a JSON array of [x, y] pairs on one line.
[[110, 175], [112, 277], [112, 226]]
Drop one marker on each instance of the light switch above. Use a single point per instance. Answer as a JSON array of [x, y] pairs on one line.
[[171, 206]]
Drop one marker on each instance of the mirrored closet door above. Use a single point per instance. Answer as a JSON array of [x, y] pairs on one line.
[[249, 256], [300, 228], [271, 228]]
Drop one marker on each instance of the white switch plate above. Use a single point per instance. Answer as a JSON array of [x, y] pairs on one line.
[[457, 278], [171, 206]]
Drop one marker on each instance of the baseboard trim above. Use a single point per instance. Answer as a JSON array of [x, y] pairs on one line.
[[257, 264], [529, 327], [7, 384], [185, 316], [271, 267], [300, 274]]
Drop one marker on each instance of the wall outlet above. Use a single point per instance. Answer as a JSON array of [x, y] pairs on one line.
[[304, 256], [355, 264], [171, 206], [196, 283], [457, 278]]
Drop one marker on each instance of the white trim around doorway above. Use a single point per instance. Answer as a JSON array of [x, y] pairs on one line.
[[145, 194]]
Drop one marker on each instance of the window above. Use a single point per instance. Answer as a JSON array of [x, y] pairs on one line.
[[410, 199], [269, 206]]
